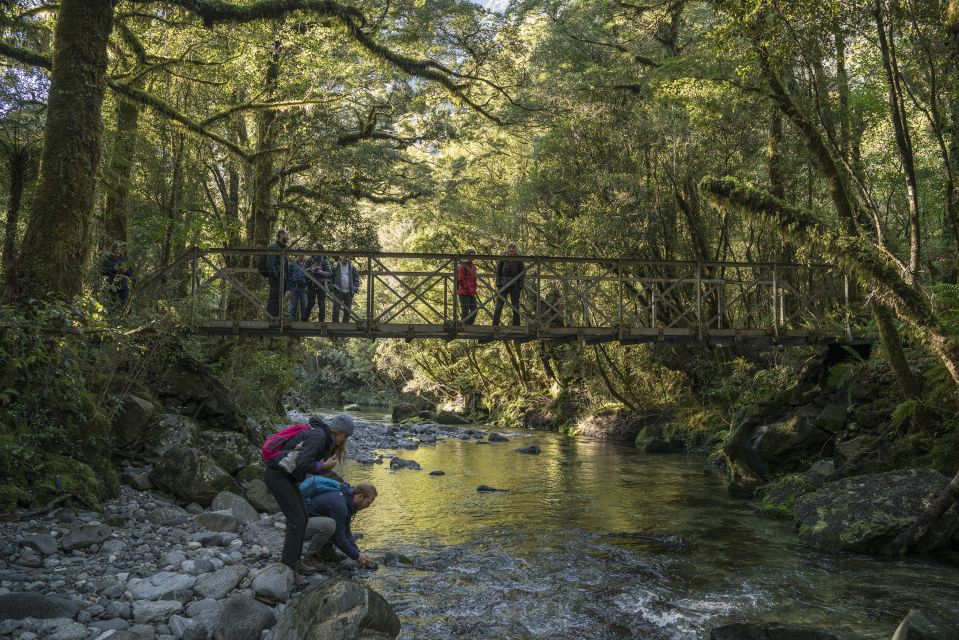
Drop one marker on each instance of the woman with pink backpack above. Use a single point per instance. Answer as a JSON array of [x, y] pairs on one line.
[[290, 455]]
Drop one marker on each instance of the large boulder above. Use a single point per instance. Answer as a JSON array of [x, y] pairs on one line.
[[219, 584], [273, 584], [132, 416], [190, 475], [242, 510], [768, 440], [243, 618], [448, 417], [340, 609], [169, 431], [260, 495], [864, 513], [773, 631], [16, 606], [218, 521], [230, 450], [165, 585], [403, 411], [188, 387]]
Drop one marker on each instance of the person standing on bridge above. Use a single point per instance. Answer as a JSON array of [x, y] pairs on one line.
[[318, 267], [346, 282], [271, 266], [296, 281], [510, 273], [466, 288], [118, 274]]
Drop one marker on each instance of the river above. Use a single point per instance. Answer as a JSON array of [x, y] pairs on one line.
[[599, 541]]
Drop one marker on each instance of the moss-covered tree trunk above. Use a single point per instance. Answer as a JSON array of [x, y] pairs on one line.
[[57, 243], [263, 218], [116, 217], [18, 162]]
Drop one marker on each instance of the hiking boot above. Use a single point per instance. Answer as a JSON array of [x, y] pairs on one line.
[[308, 566], [328, 554]]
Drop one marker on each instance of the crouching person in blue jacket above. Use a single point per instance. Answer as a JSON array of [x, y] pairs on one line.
[[331, 512]]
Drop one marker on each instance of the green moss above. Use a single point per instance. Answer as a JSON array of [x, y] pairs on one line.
[[12, 496], [779, 497], [75, 477], [696, 428]]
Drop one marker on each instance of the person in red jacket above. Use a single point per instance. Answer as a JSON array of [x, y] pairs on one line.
[[466, 288]]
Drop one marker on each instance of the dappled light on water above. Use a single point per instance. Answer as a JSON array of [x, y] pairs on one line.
[[594, 540]]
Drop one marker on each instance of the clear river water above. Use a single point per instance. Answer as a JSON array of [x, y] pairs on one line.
[[599, 541]]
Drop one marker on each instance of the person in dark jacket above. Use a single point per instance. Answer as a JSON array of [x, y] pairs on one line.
[[274, 267], [319, 270], [510, 272], [466, 285], [296, 282], [345, 282], [118, 273], [340, 507], [308, 452]]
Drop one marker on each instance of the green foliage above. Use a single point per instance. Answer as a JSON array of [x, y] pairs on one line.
[[904, 411]]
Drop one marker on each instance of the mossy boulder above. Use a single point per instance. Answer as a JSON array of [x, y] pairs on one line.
[[169, 431], [73, 477], [864, 513], [448, 417], [232, 451], [191, 475], [779, 496], [652, 439], [403, 411], [131, 419], [12, 497]]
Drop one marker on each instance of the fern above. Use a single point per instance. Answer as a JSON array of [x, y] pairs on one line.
[[841, 375], [904, 411]]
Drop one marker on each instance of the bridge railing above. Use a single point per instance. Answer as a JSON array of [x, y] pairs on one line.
[[414, 295]]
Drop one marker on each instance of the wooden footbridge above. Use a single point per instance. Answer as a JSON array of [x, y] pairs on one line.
[[563, 299]]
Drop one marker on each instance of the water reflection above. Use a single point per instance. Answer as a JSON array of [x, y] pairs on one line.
[[538, 561]]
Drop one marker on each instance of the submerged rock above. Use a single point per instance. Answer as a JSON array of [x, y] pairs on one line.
[[437, 473], [497, 437], [488, 489], [864, 513], [919, 625], [531, 449], [340, 609], [400, 463]]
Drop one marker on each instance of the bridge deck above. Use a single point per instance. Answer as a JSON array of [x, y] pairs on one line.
[[592, 300]]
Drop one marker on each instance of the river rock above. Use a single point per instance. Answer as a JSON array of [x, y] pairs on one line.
[[400, 463], [651, 439], [242, 510], [392, 558], [448, 417], [162, 586], [243, 618], [179, 625], [532, 449], [70, 631], [145, 611], [773, 631], [230, 450], [919, 625], [437, 473], [497, 437], [218, 521], [488, 489], [273, 584], [219, 584], [168, 515], [137, 477], [190, 475], [259, 495], [864, 513], [42, 543], [133, 415], [16, 606], [85, 536], [339, 609]]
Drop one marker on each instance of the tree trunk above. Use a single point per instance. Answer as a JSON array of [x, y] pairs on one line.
[[263, 218], [57, 244], [117, 178], [889, 335], [19, 162]]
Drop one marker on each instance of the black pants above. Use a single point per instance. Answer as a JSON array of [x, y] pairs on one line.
[[513, 293], [468, 309], [344, 300], [287, 493], [315, 294], [273, 301]]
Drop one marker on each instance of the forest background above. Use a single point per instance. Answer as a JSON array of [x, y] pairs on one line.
[[671, 130]]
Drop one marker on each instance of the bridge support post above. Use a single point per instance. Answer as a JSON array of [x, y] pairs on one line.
[[775, 305], [699, 300]]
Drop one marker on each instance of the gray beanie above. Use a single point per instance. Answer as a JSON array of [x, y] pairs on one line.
[[342, 423]]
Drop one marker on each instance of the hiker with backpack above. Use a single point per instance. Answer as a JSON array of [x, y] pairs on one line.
[[318, 267], [331, 506], [466, 285], [296, 282], [292, 454], [270, 267]]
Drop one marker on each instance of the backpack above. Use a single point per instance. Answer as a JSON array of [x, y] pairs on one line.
[[275, 443], [264, 267], [315, 485]]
